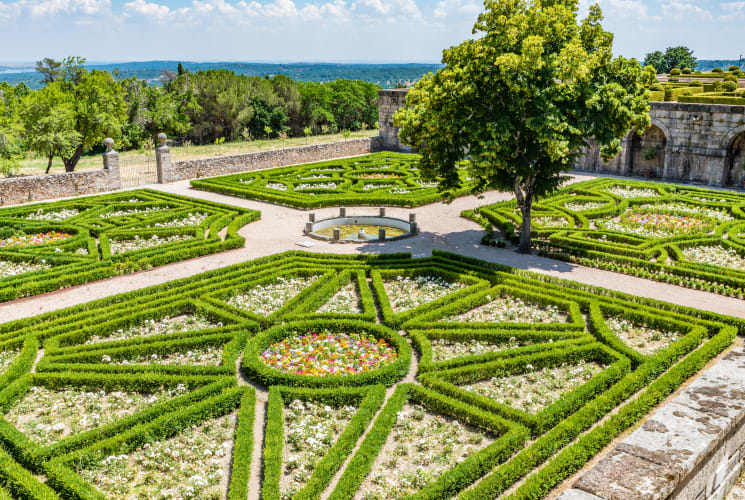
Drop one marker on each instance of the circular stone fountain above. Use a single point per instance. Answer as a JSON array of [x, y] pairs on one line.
[[363, 228]]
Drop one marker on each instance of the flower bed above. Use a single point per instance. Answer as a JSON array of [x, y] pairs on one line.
[[24, 240], [327, 353], [49, 415], [339, 182], [532, 392], [191, 465], [67, 242], [267, 299], [505, 309], [346, 301], [674, 234], [160, 410], [137, 243], [406, 293]]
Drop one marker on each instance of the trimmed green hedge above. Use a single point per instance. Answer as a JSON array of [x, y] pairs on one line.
[[537, 450], [647, 255], [350, 181], [140, 214]]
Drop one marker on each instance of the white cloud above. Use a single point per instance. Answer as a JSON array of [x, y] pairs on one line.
[[685, 9], [457, 8], [49, 8], [733, 11]]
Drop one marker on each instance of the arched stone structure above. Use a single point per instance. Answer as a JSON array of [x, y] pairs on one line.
[[648, 152], [702, 142]]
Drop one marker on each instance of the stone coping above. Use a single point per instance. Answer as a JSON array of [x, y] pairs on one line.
[[691, 448]]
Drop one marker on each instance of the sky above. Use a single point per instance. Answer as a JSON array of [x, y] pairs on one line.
[[325, 30]]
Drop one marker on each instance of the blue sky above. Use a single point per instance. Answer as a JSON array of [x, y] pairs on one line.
[[325, 30]]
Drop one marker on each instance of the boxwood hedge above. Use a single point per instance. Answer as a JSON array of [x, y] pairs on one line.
[[388, 179], [529, 455], [47, 246], [655, 231]]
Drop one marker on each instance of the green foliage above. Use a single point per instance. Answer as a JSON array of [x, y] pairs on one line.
[[729, 86], [675, 72], [556, 442], [687, 71], [556, 83], [672, 58], [651, 257], [717, 70], [339, 182], [135, 214], [734, 68]]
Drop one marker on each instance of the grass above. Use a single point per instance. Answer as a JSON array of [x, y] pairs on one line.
[[37, 165]]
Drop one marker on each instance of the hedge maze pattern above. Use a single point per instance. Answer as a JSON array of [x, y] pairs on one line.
[[391, 179], [47, 246], [676, 234], [125, 398]]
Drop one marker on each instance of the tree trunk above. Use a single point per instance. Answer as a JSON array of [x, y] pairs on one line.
[[49, 163], [524, 195], [72, 162]]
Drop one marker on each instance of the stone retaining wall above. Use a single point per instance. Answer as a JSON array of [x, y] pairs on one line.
[[222, 165], [692, 448], [15, 190]]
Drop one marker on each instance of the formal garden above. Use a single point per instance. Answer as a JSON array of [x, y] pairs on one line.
[[48, 246], [684, 235], [387, 377], [392, 179]]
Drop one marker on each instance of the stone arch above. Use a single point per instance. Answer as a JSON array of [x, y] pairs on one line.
[[648, 152], [734, 159]]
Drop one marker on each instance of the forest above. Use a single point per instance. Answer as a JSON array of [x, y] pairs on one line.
[[76, 108]]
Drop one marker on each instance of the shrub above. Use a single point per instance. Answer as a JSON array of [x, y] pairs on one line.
[[734, 68], [686, 71], [656, 86], [729, 86], [675, 71], [717, 70]]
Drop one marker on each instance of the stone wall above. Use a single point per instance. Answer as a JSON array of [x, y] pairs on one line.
[[222, 165], [15, 190], [389, 101], [702, 144], [692, 448]]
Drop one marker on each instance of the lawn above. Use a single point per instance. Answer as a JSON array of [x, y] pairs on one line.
[[34, 166], [136, 395], [687, 236]]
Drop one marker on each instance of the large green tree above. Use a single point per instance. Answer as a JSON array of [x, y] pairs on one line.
[[521, 99], [48, 119], [673, 57]]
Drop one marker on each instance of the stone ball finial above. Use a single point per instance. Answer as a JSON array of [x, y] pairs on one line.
[[109, 143], [162, 138]]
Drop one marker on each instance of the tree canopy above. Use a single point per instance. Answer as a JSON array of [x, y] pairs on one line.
[[673, 57], [521, 99]]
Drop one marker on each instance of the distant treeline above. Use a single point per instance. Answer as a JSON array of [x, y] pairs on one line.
[[385, 75], [77, 108]]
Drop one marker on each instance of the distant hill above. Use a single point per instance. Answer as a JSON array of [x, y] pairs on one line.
[[709, 64], [385, 75]]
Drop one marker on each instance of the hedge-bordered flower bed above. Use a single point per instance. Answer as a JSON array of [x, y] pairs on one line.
[[388, 179], [686, 236], [504, 444], [48, 246]]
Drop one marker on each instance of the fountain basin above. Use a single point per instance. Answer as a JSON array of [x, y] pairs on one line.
[[349, 228]]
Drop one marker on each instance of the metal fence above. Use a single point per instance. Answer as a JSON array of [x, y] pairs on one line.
[[138, 171]]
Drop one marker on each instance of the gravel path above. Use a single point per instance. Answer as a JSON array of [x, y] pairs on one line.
[[280, 229]]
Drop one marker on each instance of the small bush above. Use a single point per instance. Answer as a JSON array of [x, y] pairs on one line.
[[717, 70], [734, 68], [686, 71], [656, 87], [675, 71], [729, 86]]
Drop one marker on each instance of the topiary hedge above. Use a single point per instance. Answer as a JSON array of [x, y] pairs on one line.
[[391, 179], [48, 246], [130, 344]]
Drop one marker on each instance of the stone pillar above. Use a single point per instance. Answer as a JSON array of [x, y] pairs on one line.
[[381, 234], [311, 217], [163, 161], [342, 212], [412, 217], [413, 228], [337, 234], [308, 227], [382, 211], [111, 163]]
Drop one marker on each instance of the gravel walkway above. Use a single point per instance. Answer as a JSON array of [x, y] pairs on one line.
[[280, 229]]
